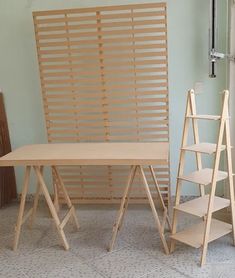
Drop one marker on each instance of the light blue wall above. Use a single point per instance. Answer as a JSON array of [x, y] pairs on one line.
[[188, 50]]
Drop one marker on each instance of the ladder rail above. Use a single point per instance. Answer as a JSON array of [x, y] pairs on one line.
[[180, 170], [230, 172], [196, 137], [214, 179]]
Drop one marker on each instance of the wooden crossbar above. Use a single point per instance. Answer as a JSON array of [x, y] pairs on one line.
[[66, 218]]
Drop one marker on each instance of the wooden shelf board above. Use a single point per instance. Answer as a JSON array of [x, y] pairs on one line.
[[194, 235], [207, 148], [205, 117], [203, 176], [199, 206]]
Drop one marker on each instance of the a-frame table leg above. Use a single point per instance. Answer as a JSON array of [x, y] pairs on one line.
[[36, 199], [66, 196], [122, 208], [56, 192], [127, 200], [51, 207], [22, 206], [155, 214], [166, 216]]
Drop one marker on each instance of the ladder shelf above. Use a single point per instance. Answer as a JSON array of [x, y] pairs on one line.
[[206, 148], [193, 236], [209, 229], [199, 206], [203, 176]]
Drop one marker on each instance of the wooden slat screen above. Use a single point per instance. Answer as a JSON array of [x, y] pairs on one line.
[[104, 77]]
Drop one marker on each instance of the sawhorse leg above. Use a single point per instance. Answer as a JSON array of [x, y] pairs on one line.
[[122, 209], [155, 214], [56, 183], [124, 205], [165, 215], [42, 186], [66, 196], [20, 220], [36, 199]]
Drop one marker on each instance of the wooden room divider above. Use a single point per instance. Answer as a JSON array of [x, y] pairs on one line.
[[104, 77]]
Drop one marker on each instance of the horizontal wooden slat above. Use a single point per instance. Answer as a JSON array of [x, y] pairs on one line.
[[110, 101], [94, 50], [101, 33], [109, 137], [104, 56], [100, 25], [103, 177], [99, 9], [103, 41], [109, 124], [156, 92], [106, 109], [106, 87], [125, 71], [114, 64], [105, 117], [107, 79], [75, 131]]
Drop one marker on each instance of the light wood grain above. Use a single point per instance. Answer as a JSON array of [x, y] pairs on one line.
[[193, 236], [88, 154], [210, 229], [207, 148], [101, 68], [203, 176], [199, 206]]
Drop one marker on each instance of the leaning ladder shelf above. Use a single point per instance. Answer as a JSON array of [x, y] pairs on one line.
[[208, 229]]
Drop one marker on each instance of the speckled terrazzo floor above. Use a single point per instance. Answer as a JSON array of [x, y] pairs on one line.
[[138, 251]]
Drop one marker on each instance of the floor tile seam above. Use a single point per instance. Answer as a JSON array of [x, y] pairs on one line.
[[100, 256], [132, 264], [86, 262], [172, 268]]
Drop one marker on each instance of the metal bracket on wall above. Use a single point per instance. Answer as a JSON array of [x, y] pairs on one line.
[[214, 55]]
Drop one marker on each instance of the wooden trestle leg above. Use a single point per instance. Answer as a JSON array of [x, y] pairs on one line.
[[122, 210], [124, 204], [51, 207], [155, 214], [22, 206]]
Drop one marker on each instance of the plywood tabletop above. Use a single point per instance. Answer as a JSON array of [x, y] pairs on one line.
[[88, 154]]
